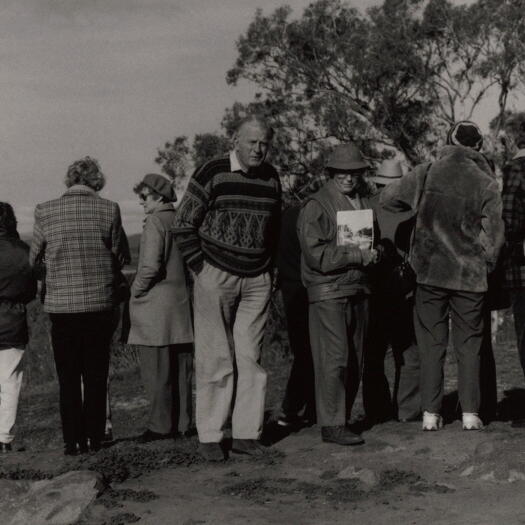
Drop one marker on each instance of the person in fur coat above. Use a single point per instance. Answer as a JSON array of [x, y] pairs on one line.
[[458, 235]]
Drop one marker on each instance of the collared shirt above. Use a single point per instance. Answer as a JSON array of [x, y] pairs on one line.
[[235, 165], [355, 202]]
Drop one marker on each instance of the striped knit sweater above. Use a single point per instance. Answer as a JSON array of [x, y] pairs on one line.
[[230, 219]]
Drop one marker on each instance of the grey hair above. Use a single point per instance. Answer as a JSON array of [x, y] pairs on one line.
[[85, 171], [259, 120]]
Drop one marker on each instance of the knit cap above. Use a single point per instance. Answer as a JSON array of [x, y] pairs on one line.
[[465, 133]]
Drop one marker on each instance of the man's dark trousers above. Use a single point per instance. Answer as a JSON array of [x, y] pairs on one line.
[[431, 322], [81, 344], [337, 333], [391, 323], [300, 390]]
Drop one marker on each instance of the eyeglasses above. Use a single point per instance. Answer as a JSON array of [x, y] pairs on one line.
[[349, 175], [144, 196]]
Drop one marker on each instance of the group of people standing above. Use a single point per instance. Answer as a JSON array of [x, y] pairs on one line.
[[224, 241]]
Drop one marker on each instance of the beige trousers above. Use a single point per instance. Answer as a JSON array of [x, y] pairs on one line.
[[230, 317], [11, 374]]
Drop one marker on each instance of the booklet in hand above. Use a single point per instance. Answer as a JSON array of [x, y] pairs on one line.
[[355, 228]]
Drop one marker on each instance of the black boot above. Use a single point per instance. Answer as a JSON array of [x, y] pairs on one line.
[[341, 435]]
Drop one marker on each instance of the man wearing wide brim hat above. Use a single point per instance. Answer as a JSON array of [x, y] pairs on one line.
[[337, 284], [391, 314], [388, 171]]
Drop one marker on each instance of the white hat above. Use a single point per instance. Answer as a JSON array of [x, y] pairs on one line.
[[519, 154], [389, 171]]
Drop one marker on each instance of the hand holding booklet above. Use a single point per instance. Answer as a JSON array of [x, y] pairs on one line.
[[355, 228]]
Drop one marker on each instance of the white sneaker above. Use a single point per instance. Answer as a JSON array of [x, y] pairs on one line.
[[432, 421], [471, 421]]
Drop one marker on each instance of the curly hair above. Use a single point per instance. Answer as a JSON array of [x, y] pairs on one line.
[[7, 219], [85, 171]]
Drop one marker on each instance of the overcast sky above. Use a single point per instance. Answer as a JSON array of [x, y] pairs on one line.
[[113, 79]]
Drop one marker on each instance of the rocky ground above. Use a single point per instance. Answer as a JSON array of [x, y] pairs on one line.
[[400, 476]]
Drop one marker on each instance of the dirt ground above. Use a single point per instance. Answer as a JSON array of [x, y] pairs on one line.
[[400, 476]]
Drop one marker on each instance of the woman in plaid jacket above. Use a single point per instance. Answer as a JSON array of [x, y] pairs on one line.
[[81, 239]]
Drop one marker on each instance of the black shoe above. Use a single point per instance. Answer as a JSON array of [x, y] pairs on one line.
[[149, 435], [341, 435], [108, 436], [518, 423], [70, 449], [83, 447], [5, 448], [211, 451], [251, 447]]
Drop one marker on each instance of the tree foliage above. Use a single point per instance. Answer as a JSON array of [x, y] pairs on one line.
[[176, 159], [173, 160], [392, 79]]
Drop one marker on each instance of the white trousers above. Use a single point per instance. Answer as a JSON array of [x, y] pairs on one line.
[[10, 382]]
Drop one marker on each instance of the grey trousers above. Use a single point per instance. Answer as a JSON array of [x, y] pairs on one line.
[[167, 373], [337, 334], [431, 321], [391, 323]]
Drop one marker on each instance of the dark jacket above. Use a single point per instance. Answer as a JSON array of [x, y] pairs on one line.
[[513, 196], [328, 271], [17, 288], [288, 260], [459, 230], [395, 231]]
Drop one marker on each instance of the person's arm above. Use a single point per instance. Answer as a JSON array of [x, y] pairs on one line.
[[492, 234], [38, 244], [404, 194], [319, 242], [119, 240], [150, 258], [190, 214]]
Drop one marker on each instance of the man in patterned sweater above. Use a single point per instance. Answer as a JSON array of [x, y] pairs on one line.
[[227, 228]]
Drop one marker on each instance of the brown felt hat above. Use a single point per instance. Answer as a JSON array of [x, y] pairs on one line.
[[161, 185], [346, 157], [388, 171]]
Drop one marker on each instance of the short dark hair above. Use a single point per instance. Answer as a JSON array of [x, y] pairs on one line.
[[7, 219], [258, 119]]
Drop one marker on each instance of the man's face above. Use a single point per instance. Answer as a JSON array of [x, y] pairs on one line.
[[348, 181], [251, 145]]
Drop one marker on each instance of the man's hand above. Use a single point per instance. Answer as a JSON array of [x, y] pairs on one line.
[[369, 257]]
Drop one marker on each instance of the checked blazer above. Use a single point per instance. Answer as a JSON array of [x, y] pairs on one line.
[[81, 240], [513, 196]]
